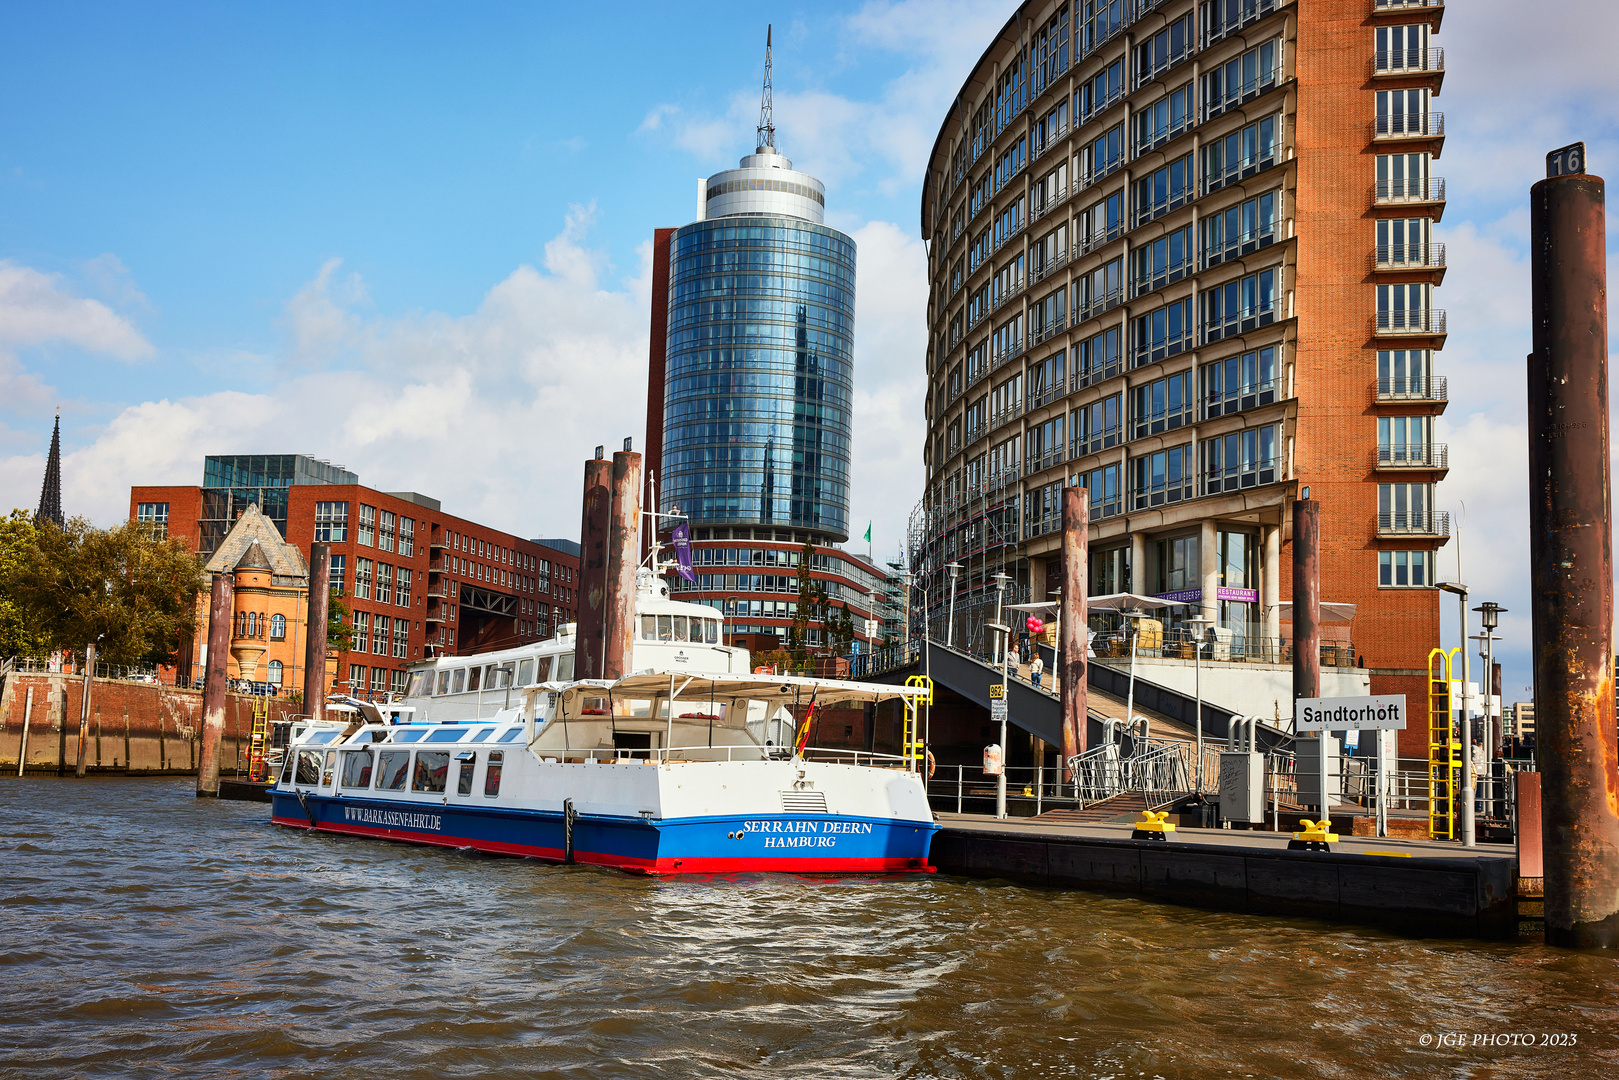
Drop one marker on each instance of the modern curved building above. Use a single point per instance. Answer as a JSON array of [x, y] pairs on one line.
[[1181, 254], [750, 396]]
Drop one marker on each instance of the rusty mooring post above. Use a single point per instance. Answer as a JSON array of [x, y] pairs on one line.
[[589, 643], [84, 704], [1571, 563], [623, 551], [320, 602], [221, 602], [1306, 598], [1074, 635]]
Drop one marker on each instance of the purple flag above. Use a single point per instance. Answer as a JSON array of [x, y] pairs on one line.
[[682, 542]]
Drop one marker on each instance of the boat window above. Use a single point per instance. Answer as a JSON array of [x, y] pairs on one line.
[[463, 781], [483, 736], [331, 768], [525, 672], [460, 683], [420, 684], [497, 677], [542, 672], [511, 734], [666, 628], [446, 735], [408, 736], [564, 667], [431, 772], [321, 738], [473, 675], [444, 682], [309, 767], [286, 768], [713, 631], [356, 768], [392, 768], [491, 774], [649, 628], [680, 628]]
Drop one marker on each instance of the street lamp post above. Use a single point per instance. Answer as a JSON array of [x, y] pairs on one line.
[[950, 627], [1490, 617], [1000, 589], [1199, 621], [1004, 632], [1467, 717]]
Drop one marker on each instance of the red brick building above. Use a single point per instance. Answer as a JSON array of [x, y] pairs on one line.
[[419, 581], [1182, 254]]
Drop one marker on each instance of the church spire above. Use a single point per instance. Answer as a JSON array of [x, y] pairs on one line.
[[50, 495], [767, 118]]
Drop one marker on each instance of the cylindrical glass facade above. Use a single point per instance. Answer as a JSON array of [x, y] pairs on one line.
[[760, 374]]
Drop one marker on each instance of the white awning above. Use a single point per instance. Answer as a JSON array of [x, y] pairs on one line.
[[1111, 602], [718, 687], [1329, 612]]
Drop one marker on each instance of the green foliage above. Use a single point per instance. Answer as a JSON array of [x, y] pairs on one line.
[[18, 634], [814, 606], [130, 591], [340, 632]]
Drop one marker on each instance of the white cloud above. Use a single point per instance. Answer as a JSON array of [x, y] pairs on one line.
[[37, 308]]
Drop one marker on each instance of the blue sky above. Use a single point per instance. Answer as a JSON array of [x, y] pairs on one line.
[[412, 238]]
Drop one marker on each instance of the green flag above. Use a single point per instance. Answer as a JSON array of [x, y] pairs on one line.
[[868, 532]]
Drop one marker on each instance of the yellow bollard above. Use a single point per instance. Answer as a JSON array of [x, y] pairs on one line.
[[1153, 825], [1315, 836]]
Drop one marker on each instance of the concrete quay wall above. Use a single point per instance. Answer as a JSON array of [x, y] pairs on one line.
[[1422, 897], [135, 728]]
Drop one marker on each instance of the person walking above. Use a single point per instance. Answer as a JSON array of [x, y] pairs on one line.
[[1037, 667]]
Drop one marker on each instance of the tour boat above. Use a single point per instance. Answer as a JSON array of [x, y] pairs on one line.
[[660, 771]]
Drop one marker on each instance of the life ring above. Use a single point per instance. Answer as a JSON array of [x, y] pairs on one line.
[[933, 766]]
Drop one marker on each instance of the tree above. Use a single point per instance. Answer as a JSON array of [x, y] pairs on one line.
[[127, 590], [340, 633], [19, 636], [798, 636]]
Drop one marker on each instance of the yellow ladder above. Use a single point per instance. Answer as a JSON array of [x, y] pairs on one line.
[[1444, 750], [913, 745], [256, 770]]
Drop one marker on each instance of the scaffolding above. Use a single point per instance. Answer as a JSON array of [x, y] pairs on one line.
[[977, 528]]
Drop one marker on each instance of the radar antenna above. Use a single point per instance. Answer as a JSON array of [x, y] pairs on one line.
[[767, 119]]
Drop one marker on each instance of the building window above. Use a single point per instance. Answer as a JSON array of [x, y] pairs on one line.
[[362, 575], [1161, 478], [1099, 425], [368, 525], [362, 631], [1403, 373], [357, 674], [1242, 78], [1405, 177], [1164, 119], [396, 682], [1405, 508], [1099, 290], [402, 587], [339, 564], [1173, 566], [1164, 49], [1240, 154], [1404, 242], [1103, 155], [1241, 229], [1403, 569], [278, 628], [1101, 222], [1242, 381], [379, 639], [379, 681], [401, 638], [1162, 333], [1242, 304], [407, 536], [1164, 190], [1161, 262], [385, 583], [1242, 459], [272, 675], [155, 516], [1161, 405], [1404, 307], [1405, 440], [331, 522], [1107, 493], [1097, 358], [385, 531]]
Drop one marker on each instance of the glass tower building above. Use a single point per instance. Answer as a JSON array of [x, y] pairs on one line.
[[759, 364]]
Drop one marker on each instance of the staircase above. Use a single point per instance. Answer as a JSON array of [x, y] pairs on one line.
[[1126, 804]]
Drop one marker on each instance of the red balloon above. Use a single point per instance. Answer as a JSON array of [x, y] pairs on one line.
[[1035, 625]]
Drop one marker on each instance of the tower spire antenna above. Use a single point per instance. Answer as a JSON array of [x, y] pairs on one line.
[[767, 118], [50, 495]]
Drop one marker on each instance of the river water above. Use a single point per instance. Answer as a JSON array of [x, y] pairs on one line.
[[146, 933]]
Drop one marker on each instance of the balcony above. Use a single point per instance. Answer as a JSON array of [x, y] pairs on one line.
[[1428, 125], [440, 544], [1398, 323], [1037, 334], [1226, 17], [1057, 198], [1413, 523], [1040, 462], [1413, 456], [1001, 417], [1412, 388], [1409, 257], [1098, 304], [1157, 137], [1055, 136], [1045, 396], [1416, 190], [1408, 62], [1055, 263], [1397, 5], [1089, 244]]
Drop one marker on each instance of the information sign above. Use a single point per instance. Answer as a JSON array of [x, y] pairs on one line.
[[1381, 711], [1566, 161], [997, 711], [996, 691]]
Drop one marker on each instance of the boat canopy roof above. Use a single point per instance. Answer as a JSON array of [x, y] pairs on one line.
[[699, 686]]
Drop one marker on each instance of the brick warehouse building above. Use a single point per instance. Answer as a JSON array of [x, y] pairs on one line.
[[420, 582], [1182, 253]]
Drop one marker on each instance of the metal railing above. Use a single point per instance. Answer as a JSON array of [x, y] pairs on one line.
[[1223, 17], [1425, 321], [1416, 189], [1055, 263], [1180, 645], [1413, 456], [1409, 256], [1391, 5], [1421, 125], [1414, 523], [1400, 61], [1412, 388], [1056, 199]]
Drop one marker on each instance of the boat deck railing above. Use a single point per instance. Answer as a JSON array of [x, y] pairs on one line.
[[740, 752]]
